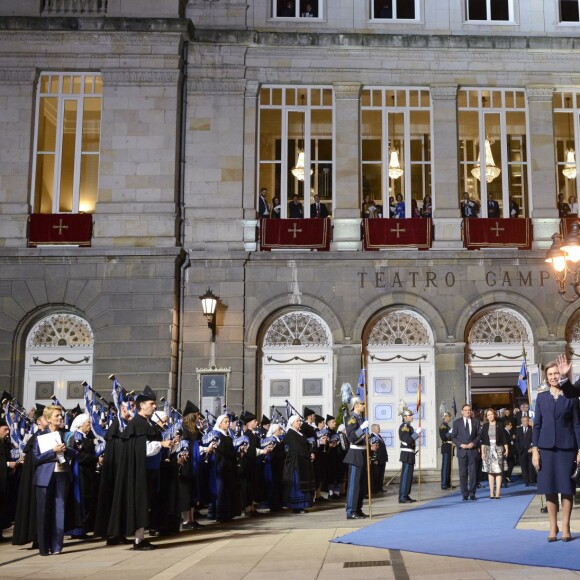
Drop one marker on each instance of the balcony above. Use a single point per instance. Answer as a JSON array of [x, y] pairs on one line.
[[74, 7]]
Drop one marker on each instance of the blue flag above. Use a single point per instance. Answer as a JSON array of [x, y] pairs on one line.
[[523, 379], [360, 390], [454, 406]]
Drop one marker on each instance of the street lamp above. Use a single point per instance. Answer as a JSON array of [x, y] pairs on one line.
[[209, 304], [564, 256]]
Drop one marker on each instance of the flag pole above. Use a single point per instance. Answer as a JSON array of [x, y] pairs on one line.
[[528, 384], [419, 387], [454, 409], [367, 438]]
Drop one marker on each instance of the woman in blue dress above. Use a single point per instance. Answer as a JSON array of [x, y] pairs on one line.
[[556, 450], [400, 207]]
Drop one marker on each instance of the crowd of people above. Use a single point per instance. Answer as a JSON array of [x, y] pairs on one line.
[[117, 470], [123, 468]]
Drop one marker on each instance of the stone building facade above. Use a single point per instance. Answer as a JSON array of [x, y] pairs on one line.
[[189, 97]]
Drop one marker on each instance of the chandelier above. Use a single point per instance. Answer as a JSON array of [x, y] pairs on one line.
[[395, 169], [569, 170], [298, 170], [491, 170]]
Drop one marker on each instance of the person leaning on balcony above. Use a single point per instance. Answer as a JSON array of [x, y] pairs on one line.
[[296, 211], [400, 208], [318, 209], [469, 208], [563, 207], [276, 208], [369, 208], [573, 206], [514, 208], [427, 210], [492, 207]]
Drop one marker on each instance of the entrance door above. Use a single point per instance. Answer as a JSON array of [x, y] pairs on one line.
[[59, 357], [297, 364]]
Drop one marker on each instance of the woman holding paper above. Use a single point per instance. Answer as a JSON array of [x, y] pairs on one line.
[[51, 480]]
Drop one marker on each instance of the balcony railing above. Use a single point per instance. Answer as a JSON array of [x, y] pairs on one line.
[[74, 7]]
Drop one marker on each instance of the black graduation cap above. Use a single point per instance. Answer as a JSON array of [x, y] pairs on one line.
[[77, 410], [247, 417], [6, 396], [308, 411], [318, 419], [147, 395], [39, 411], [265, 421], [232, 417], [329, 418], [3, 423], [190, 408]]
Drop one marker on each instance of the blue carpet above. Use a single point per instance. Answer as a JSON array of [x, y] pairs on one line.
[[480, 530]]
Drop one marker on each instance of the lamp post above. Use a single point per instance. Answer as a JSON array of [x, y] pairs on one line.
[[564, 257], [209, 304]]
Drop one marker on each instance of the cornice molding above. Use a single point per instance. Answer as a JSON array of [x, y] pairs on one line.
[[140, 77], [100, 38]]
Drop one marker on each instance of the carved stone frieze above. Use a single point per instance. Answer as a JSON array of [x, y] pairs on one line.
[[347, 90], [252, 89], [140, 77], [399, 327], [17, 76], [500, 325], [445, 92], [539, 92], [216, 86]]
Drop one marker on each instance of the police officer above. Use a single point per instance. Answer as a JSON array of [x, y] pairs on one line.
[[446, 451], [356, 459], [408, 438]]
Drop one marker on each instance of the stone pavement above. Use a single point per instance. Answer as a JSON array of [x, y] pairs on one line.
[[280, 547]]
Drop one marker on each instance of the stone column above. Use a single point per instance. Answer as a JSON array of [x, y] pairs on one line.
[[250, 223], [446, 212], [542, 162], [449, 373], [346, 214]]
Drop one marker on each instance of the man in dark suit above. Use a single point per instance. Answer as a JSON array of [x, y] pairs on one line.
[[295, 209], [492, 207], [466, 436], [263, 205], [317, 209], [524, 449]]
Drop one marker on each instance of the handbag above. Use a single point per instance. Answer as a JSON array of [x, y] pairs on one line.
[[576, 474]]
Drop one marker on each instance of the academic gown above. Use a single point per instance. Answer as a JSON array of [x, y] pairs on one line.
[[227, 503], [298, 474], [25, 520], [5, 519], [108, 477], [130, 506]]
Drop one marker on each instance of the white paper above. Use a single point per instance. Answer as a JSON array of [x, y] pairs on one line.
[[49, 441]]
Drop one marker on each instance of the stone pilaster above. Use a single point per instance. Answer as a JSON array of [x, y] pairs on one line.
[[542, 162], [249, 178], [346, 214], [446, 215]]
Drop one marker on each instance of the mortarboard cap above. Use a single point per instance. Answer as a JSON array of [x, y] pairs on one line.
[[308, 411], [6, 397], [3, 423], [39, 411], [329, 418], [190, 408], [147, 395], [318, 419], [265, 420], [247, 417]]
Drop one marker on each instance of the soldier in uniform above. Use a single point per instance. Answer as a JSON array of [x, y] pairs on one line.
[[356, 459], [408, 438], [446, 451]]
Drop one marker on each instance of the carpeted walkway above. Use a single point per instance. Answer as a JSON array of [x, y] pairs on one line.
[[481, 530]]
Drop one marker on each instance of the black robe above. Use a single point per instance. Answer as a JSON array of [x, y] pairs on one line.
[[297, 459], [130, 506], [227, 503], [88, 482], [25, 520], [108, 477], [5, 517]]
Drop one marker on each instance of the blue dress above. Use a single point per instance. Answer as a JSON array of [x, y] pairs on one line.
[[556, 433]]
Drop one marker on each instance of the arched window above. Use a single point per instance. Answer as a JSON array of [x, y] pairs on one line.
[[500, 325]]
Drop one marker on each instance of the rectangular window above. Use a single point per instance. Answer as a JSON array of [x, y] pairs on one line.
[[296, 8], [493, 149], [395, 9], [566, 122], [396, 152], [296, 146], [489, 10], [67, 143], [569, 11]]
